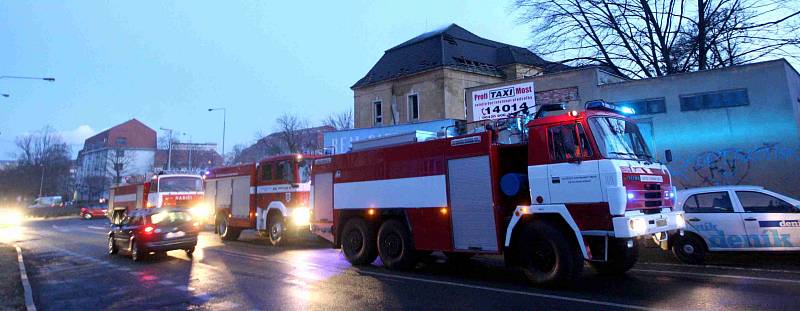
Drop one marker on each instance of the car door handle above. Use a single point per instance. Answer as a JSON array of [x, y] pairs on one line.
[[694, 219], [750, 219]]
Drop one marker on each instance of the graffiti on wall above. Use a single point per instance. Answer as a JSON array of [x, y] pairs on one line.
[[731, 166]]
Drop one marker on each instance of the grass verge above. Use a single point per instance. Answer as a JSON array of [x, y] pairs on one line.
[[12, 296]]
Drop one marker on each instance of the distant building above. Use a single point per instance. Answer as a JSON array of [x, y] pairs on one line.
[[310, 140], [127, 149], [189, 157], [424, 78]]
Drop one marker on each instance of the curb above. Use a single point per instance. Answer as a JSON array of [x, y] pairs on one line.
[[26, 285]]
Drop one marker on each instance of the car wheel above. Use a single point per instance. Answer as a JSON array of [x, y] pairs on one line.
[[621, 258], [689, 249], [546, 256], [137, 254], [359, 242], [276, 229], [190, 252], [395, 246], [87, 216], [112, 247]]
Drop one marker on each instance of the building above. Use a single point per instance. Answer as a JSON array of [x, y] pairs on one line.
[[127, 149], [189, 157], [424, 78], [308, 140], [735, 125]]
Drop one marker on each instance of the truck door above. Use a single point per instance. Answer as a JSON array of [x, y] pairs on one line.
[[573, 178], [471, 203], [770, 221]]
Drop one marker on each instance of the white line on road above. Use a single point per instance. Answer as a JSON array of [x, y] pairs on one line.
[[26, 285], [713, 275], [97, 228], [509, 291], [720, 267]]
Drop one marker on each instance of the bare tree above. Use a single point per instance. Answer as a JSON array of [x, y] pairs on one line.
[[340, 121], [291, 133], [43, 163], [119, 163], [646, 38]]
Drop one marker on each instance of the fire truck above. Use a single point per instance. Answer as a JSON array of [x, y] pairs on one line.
[[270, 196], [548, 191], [161, 190]]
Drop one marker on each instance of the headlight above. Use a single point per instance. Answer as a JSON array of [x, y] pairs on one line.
[[638, 226], [10, 217], [200, 211], [301, 216], [680, 221]]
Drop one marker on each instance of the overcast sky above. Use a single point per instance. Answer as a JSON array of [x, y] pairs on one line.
[[166, 62]]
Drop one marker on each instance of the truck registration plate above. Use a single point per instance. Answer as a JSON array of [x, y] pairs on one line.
[[661, 222], [172, 235]]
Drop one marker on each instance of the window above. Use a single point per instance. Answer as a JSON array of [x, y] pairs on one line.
[[180, 184], [564, 143], [413, 107], [266, 171], [619, 139], [120, 153], [121, 141], [377, 107], [757, 202], [646, 106], [304, 169], [721, 99], [714, 202], [285, 171]]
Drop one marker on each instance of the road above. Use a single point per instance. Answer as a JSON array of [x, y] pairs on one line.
[[70, 270]]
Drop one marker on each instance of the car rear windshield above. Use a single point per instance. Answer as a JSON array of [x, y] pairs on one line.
[[170, 217]]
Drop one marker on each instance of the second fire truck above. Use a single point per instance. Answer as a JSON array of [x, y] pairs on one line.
[[161, 190], [270, 196], [548, 194]]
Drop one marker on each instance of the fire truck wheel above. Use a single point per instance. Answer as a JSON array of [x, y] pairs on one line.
[[277, 228], [689, 249], [546, 256], [395, 245], [358, 242], [225, 232], [621, 258]]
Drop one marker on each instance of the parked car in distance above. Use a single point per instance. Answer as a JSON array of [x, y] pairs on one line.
[[93, 211], [150, 231], [52, 201], [735, 218]]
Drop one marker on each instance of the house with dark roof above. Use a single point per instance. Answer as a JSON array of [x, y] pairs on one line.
[[424, 78]]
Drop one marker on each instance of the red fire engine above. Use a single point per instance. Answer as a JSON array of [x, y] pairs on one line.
[[548, 195], [270, 196], [162, 190]]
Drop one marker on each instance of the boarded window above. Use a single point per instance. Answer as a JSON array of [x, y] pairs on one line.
[[721, 99]]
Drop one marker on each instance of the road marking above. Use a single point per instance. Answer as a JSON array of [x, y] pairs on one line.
[[720, 267], [97, 228], [166, 282], [509, 291], [26, 285], [711, 275]]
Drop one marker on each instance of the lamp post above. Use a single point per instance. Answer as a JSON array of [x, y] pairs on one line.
[[41, 182], [169, 152], [190, 147], [48, 79], [224, 119]]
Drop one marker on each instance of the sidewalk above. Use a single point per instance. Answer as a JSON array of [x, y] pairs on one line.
[[12, 296]]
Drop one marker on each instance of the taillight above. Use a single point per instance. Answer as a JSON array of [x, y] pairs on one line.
[[84, 210], [149, 229]]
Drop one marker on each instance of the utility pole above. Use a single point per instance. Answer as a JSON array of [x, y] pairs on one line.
[[224, 118], [41, 182]]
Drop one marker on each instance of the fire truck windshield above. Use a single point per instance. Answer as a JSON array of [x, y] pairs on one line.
[[619, 139], [180, 184]]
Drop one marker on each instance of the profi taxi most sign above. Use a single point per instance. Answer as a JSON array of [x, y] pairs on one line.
[[500, 102]]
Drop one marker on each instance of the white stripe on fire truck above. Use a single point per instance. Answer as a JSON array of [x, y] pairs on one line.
[[426, 191], [125, 197], [280, 188]]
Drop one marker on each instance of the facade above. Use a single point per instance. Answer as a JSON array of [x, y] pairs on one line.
[[189, 157], [736, 125], [125, 150], [424, 78]]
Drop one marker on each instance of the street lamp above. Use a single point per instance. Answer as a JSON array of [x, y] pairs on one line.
[[224, 118], [169, 152], [190, 147]]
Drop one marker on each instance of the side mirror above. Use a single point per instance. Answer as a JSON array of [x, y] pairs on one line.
[[668, 155]]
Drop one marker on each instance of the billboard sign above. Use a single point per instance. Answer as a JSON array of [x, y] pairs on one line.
[[500, 102]]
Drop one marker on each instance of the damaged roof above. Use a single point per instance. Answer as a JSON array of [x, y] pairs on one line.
[[452, 47]]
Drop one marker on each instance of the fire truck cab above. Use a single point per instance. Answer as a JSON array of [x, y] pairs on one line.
[[270, 196], [547, 193], [161, 190]]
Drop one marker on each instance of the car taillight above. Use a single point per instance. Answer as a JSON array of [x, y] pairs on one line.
[[149, 229], [84, 210]]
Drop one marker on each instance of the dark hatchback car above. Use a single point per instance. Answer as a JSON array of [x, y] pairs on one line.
[[143, 232]]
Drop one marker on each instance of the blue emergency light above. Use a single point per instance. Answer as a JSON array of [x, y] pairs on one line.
[[606, 106]]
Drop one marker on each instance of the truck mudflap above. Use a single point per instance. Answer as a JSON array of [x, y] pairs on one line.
[[636, 224]]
